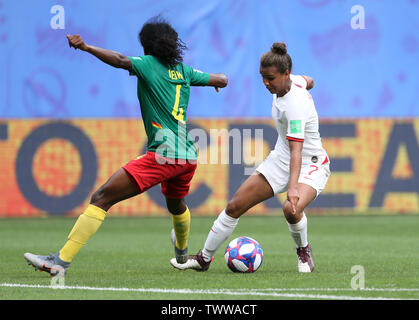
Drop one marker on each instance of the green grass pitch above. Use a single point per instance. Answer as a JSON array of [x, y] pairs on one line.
[[128, 258]]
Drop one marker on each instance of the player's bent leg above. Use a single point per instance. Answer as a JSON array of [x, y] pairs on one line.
[[297, 224], [117, 188], [307, 195], [254, 190]]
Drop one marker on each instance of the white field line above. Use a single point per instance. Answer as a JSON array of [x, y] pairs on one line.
[[232, 292], [337, 289]]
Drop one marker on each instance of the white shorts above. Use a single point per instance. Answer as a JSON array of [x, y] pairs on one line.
[[277, 173]]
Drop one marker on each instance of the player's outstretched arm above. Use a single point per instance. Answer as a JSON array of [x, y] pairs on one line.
[[113, 58], [295, 169], [218, 80]]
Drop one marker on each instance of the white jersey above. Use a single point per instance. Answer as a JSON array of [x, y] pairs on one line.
[[296, 119]]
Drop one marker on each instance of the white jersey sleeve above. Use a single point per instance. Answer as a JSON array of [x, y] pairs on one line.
[[298, 80], [297, 118]]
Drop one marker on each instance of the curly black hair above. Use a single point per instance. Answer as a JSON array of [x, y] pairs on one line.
[[160, 40]]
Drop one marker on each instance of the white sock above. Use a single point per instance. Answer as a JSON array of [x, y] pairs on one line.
[[299, 232], [222, 228]]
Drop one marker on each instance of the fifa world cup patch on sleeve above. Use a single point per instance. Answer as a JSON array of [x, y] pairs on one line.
[[295, 126]]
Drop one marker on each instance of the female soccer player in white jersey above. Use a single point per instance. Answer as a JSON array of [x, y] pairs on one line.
[[298, 164]]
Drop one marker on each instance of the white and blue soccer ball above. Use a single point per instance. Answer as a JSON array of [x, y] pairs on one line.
[[243, 254]]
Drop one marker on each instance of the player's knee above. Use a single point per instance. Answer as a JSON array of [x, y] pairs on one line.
[[292, 217], [176, 206], [100, 200], [234, 208], [287, 208]]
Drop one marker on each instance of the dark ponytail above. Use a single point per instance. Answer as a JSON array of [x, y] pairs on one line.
[[278, 57]]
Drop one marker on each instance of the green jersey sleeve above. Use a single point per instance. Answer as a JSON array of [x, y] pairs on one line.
[[198, 78], [138, 66]]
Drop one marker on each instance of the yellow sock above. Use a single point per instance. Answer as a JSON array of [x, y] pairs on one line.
[[181, 224], [85, 227]]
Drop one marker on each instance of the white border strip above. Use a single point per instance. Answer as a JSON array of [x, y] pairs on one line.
[[236, 292]]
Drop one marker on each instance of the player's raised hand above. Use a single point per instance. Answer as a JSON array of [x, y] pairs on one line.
[[76, 42]]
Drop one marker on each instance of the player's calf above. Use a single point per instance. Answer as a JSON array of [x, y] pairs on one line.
[[181, 256]]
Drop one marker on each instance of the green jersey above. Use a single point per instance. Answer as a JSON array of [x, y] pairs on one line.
[[163, 92]]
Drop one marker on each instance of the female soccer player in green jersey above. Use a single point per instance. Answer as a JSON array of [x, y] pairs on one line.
[[163, 92]]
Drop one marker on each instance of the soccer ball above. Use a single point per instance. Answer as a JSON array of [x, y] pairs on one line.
[[243, 254]]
